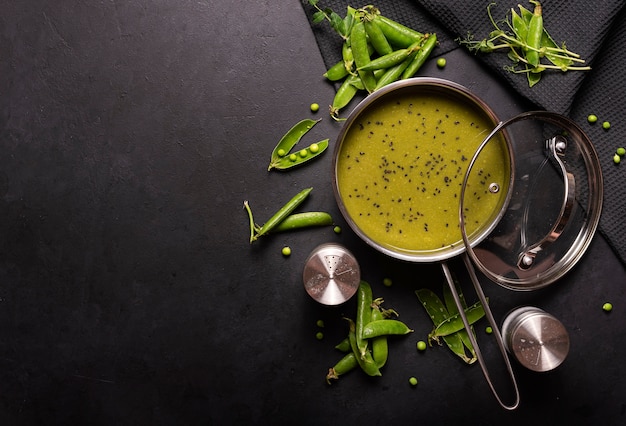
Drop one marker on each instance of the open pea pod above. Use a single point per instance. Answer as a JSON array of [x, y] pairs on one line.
[[462, 335], [302, 156], [289, 140], [435, 308], [454, 323], [439, 314]]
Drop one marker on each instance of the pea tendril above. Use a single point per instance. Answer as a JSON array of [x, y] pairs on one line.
[[528, 42]]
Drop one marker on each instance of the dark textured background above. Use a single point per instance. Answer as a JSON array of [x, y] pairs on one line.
[[131, 133]]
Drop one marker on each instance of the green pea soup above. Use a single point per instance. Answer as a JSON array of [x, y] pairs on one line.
[[400, 169]]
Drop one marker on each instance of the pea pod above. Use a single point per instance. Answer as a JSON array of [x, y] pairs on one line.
[[439, 313], [376, 37], [336, 72], [279, 216], [304, 220], [535, 32], [394, 73], [461, 336], [290, 139], [365, 361], [388, 61], [303, 156], [348, 57], [520, 26], [344, 94], [396, 33], [359, 44], [430, 41], [380, 347], [454, 323], [363, 315], [344, 345], [434, 307], [343, 366], [385, 327], [561, 61]]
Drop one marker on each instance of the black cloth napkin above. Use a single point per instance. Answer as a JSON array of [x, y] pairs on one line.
[[595, 30]]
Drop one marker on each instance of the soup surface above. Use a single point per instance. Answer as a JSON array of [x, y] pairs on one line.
[[401, 167]]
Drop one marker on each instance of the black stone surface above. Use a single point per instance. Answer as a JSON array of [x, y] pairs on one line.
[[131, 133]]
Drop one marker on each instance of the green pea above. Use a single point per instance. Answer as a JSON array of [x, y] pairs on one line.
[[441, 62], [606, 125], [315, 107], [592, 118], [488, 330], [387, 282], [421, 345], [281, 152], [337, 229], [289, 140], [617, 159], [320, 323], [413, 381], [621, 151], [319, 335], [303, 156], [286, 251], [607, 307]]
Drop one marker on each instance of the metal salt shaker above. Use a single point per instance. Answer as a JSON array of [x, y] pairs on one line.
[[535, 338], [331, 274]]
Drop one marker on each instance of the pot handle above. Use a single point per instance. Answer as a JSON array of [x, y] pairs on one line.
[[472, 337], [556, 148]]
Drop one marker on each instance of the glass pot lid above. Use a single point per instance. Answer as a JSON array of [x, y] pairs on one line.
[[554, 207]]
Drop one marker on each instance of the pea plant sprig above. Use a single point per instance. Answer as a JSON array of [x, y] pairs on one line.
[[527, 41], [448, 324]]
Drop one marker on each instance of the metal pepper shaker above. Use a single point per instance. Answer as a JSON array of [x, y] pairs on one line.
[[535, 338], [331, 274]]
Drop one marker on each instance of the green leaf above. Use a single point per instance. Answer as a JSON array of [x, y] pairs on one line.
[[336, 22], [533, 78], [318, 17]]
